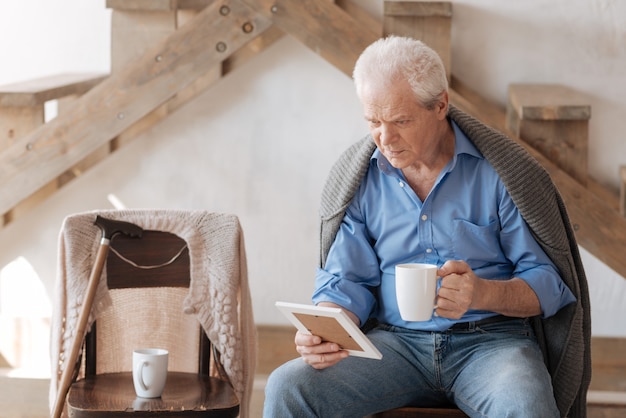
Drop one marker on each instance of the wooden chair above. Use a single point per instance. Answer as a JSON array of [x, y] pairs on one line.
[[147, 311], [414, 412]]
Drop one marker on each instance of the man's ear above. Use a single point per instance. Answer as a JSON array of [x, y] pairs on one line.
[[442, 106]]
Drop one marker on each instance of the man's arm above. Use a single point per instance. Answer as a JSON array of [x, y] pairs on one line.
[[462, 290]]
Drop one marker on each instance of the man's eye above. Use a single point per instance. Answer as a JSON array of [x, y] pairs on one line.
[[402, 122], [374, 123]]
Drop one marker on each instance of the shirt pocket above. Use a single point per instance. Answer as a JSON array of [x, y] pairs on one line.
[[477, 245]]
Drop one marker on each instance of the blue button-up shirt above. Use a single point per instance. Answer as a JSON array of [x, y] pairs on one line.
[[467, 216]]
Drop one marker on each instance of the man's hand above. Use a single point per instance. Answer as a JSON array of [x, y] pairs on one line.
[[462, 290], [458, 284], [316, 353], [320, 354]]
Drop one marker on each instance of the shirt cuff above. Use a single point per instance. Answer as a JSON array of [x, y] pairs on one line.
[[550, 289]]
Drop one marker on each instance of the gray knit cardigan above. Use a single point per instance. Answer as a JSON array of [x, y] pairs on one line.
[[565, 337]]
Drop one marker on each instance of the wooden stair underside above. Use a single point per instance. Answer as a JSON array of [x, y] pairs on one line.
[[215, 37]]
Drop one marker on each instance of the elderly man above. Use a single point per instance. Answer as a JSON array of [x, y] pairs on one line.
[[428, 185]]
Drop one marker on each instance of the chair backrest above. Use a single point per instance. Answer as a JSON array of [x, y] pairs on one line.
[[148, 279]]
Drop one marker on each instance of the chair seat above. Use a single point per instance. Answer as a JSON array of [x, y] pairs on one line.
[[413, 412], [185, 395]]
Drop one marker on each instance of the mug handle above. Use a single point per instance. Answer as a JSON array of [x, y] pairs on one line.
[[139, 372]]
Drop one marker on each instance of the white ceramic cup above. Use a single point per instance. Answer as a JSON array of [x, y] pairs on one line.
[[416, 290], [149, 371]]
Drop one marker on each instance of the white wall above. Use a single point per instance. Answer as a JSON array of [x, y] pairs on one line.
[[260, 142], [578, 43], [46, 37]]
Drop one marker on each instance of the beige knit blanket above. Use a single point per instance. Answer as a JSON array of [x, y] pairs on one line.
[[219, 293]]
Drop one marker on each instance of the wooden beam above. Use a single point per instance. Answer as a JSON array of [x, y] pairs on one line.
[[598, 227], [211, 76], [125, 97], [418, 8], [254, 47], [622, 194], [16, 122], [132, 32], [322, 26], [236, 60], [193, 4], [361, 15]]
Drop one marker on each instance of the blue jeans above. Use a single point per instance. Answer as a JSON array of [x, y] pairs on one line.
[[496, 370]]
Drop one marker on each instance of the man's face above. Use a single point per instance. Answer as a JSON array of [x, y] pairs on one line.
[[404, 131]]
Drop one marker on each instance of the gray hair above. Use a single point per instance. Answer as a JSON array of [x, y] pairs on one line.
[[395, 58]]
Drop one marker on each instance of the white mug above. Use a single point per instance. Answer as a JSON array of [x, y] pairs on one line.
[[149, 371], [416, 290]]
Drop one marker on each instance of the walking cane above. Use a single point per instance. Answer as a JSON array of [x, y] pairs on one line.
[[110, 228]]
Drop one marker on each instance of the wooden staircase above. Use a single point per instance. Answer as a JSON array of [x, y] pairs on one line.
[[185, 47], [22, 110], [166, 52]]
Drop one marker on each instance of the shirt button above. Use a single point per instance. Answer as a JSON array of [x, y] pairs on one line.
[[424, 217], [401, 184], [429, 250]]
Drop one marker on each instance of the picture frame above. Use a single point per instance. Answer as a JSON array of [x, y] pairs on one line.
[[331, 324]]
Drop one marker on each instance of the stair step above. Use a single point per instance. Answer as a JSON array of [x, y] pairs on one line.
[[548, 102], [555, 120], [157, 5], [606, 398], [38, 91]]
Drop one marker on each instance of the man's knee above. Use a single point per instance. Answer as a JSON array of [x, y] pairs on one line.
[[288, 392], [282, 381]]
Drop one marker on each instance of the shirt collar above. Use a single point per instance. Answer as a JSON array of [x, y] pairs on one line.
[[462, 145]]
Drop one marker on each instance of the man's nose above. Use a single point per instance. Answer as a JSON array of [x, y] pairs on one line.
[[386, 133]]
